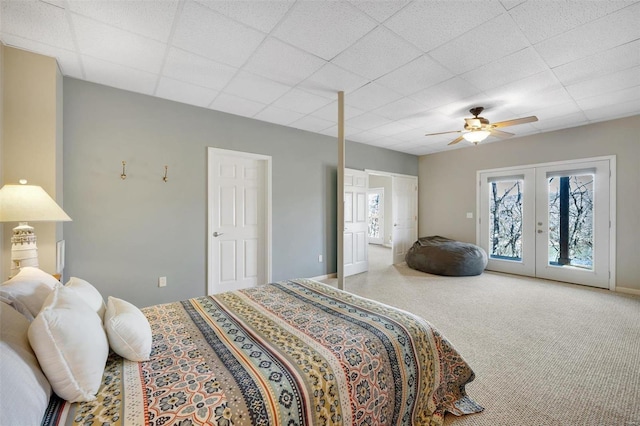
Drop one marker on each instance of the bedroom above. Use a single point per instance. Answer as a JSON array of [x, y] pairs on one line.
[[164, 226]]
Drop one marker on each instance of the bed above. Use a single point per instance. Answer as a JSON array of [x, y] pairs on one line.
[[297, 352]]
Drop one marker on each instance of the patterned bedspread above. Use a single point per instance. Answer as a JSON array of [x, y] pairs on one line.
[[290, 353]]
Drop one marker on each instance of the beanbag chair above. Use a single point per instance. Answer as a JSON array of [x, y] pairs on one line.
[[443, 256]]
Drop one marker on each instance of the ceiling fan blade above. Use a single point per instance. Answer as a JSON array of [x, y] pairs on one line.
[[456, 140], [500, 133], [515, 121], [444, 133]]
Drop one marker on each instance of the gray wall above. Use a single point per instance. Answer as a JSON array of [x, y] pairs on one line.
[[447, 181], [127, 233]]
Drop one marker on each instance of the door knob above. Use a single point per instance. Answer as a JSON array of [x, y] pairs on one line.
[[540, 231], [216, 234]]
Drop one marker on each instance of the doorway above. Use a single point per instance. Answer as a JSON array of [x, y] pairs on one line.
[[399, 227], [239, 220], [551, 220]]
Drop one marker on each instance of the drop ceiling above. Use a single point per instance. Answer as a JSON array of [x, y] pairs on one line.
[[407, 67]]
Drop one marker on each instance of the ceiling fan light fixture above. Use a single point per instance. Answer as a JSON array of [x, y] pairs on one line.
[[476, 136]]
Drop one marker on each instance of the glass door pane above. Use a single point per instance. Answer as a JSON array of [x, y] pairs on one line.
[[505, 219], [571, 220], [374, 215]]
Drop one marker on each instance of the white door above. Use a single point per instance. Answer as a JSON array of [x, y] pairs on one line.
[[572, 223], [356, 258], [549, 221], [239, 220], [405, 215], [375, 215]]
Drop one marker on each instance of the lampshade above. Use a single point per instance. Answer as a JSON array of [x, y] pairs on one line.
[[476, 136], [29, 203]]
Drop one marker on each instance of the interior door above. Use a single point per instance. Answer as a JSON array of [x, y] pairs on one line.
[[237, 225], [356, 256], [405, 215], [548, 221]]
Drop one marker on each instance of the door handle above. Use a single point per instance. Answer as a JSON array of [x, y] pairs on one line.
[[216, 234]]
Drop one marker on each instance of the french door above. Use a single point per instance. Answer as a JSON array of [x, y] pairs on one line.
[[549, 221]]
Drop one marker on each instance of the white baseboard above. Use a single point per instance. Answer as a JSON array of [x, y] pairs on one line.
[[324, 277], [628, 290]]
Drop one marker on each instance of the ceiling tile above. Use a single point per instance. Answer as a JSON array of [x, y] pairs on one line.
[[283, 63], [278, 115], [180, 91], [556, 17], [445, 93], [118, 46], [118, 76], [197, 70], [371, 96], [330, 79], [497, 38], [417, 75], [68, 61], [391, 129], [519, 92], [605, 33], [376, 54], [508, 69], [609, 83], [535, 102], [366, 121], [235, 105], [312, 124], [612, 98], [256, 88], [306, 27], [205, 32], [552, 112], [571, 120], [413, 135], [397, 110], [421, 120], [330, 112], [510, 4], [149, 19], [624, 109], [380, 10], [616, 59], [36, 20], [301, 101], [262, 15], [429, 24]]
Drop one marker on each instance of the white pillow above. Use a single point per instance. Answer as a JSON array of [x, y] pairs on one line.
[[89, 294], [128, 330], [71, 345], [27, 291], [24, 390]]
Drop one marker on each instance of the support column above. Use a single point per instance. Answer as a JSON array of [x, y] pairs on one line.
[[340, 215]]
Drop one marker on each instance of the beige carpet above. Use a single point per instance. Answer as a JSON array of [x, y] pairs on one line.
[[544, 353]]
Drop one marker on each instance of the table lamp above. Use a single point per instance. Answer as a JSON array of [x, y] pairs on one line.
[[27, 203]]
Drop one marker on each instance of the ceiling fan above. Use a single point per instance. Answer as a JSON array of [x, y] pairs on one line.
[[477, 129]]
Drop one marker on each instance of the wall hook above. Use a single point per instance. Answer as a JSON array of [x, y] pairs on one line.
[[123, 176], [165, 178]]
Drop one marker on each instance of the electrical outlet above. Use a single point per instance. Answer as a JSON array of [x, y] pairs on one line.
[[469, 215], [162, 282], [320, 258]]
